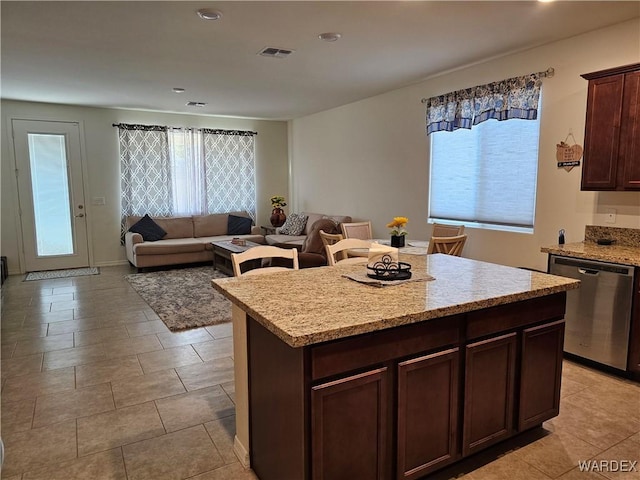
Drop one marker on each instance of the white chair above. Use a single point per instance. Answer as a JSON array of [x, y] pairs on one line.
[[448, 245], [360, 230], [260, 252], [330, 238], [442, 230], [336, 252]]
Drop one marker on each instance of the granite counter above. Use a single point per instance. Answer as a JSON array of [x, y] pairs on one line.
[[622, 254], [317, 305]]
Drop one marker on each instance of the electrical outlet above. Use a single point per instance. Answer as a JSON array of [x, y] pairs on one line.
[[610, 216]]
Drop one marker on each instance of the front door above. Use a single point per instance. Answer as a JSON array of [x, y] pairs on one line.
[[51, 194]]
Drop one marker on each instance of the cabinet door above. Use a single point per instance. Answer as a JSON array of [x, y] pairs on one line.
[[427, 413], [489, 392], [541, 372], [349, 428], [630, 133], [602, 133]]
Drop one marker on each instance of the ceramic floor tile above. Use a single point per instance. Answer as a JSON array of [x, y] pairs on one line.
[[44, 344], [135, 390], [636, 437], [123, 318], [28, 386], [509, 467], [176, 455], [146, 328], [215, 349], [73, 356], [613, 397], [107, 465], [576, 474], [176, 339], [14, 367], [230, 388], [596, 427], [71, 326], [181, 411], [222, 432], [50, 298], [17, 416], [571, 387], [36, 448], [98, 335], [48, 317], [222, 330], [118, 427], [206, 374], [108, 371], [169, 358], [24, 333], [557, 453], [82, 402], [7, 349], [234, 471], [131, 346], [625, 461]]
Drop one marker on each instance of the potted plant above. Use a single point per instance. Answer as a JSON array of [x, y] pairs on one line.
[[277, 214], [398, 231]]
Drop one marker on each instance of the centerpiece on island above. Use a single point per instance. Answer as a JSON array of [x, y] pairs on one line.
[[278, 217], [398, 231]]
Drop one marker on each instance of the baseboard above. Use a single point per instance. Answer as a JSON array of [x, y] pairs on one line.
[[112, 263], [241, 453]]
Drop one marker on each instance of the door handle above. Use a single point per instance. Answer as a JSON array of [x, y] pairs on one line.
[[80, 215]]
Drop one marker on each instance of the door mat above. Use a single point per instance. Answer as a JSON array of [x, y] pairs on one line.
[[73, 272]]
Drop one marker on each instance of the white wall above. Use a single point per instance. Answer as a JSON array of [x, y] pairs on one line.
[[101, 155], [370, 159]]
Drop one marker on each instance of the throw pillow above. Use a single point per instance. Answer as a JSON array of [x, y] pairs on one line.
[[149, 229], [294, 225], [238, 225]]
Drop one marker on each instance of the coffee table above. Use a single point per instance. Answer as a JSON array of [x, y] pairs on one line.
[[222, 256]]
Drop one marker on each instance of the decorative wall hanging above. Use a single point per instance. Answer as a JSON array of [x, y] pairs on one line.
[[568, 156]]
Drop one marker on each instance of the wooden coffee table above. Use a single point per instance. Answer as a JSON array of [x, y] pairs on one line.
[[222, 256]]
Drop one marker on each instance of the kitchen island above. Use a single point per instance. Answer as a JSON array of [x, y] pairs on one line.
[[340, 380]]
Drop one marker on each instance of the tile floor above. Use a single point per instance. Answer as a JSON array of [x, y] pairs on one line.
[[94, 386]]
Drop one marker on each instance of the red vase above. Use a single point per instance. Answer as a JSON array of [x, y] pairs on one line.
[[277, 217]]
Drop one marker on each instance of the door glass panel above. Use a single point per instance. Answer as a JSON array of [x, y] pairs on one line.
[[50, 187]]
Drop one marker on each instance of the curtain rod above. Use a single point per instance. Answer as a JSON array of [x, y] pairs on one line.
[[131, 126], [548, 73]]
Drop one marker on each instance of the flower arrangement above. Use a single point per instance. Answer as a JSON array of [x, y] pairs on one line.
[[398, 226], [277, 201]]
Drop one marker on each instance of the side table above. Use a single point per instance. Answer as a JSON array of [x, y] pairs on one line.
[[268, 230]]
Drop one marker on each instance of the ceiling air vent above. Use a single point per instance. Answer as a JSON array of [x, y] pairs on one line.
[[196, 104], [275, 52]]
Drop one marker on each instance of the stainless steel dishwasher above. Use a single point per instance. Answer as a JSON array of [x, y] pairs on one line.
[[598, 313]]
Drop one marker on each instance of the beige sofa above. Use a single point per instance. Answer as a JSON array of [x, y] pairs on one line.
[[188, 239], [299, 239]]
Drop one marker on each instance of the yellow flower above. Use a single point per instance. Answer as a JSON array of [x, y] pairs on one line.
[[398, 224]]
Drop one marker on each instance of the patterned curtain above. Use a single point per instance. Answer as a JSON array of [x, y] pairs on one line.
[[512, 98], [145, 171], [230, 175]]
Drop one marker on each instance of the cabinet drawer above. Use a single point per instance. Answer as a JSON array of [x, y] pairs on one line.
[[354, 353]]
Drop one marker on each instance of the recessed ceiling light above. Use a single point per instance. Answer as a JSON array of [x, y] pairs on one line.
[[178, 90], [209, 14], [329, 36]]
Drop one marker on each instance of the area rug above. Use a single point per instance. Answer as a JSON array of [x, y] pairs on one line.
[[183, 298], [73, 272]]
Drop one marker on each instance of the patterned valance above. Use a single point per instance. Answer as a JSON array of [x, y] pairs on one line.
[[161, 128], [512, 98]]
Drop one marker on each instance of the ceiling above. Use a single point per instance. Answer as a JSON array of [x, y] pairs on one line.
[[130, 54]]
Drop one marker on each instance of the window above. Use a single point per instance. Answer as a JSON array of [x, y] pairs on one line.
[[486, 176], [169, 171]]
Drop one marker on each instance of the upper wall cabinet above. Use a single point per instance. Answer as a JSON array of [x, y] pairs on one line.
[[612, 130]]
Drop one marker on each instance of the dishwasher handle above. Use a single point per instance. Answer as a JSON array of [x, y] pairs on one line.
[[585, 271]]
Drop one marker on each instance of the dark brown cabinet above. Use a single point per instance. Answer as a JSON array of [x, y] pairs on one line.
[[349, 427], [489, 392], [427, 395], [540, 374], [612, 130]]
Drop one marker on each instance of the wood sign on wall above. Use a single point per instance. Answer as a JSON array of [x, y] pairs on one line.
[[568, 156]]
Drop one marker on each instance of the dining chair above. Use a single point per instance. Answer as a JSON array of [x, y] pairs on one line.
[[443, 230], [330, 238], [361, 230], [263, 251], [448, 245], [342, 246]]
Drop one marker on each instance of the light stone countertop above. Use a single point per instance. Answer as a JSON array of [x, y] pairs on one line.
[[315, 305], [622, 254]]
